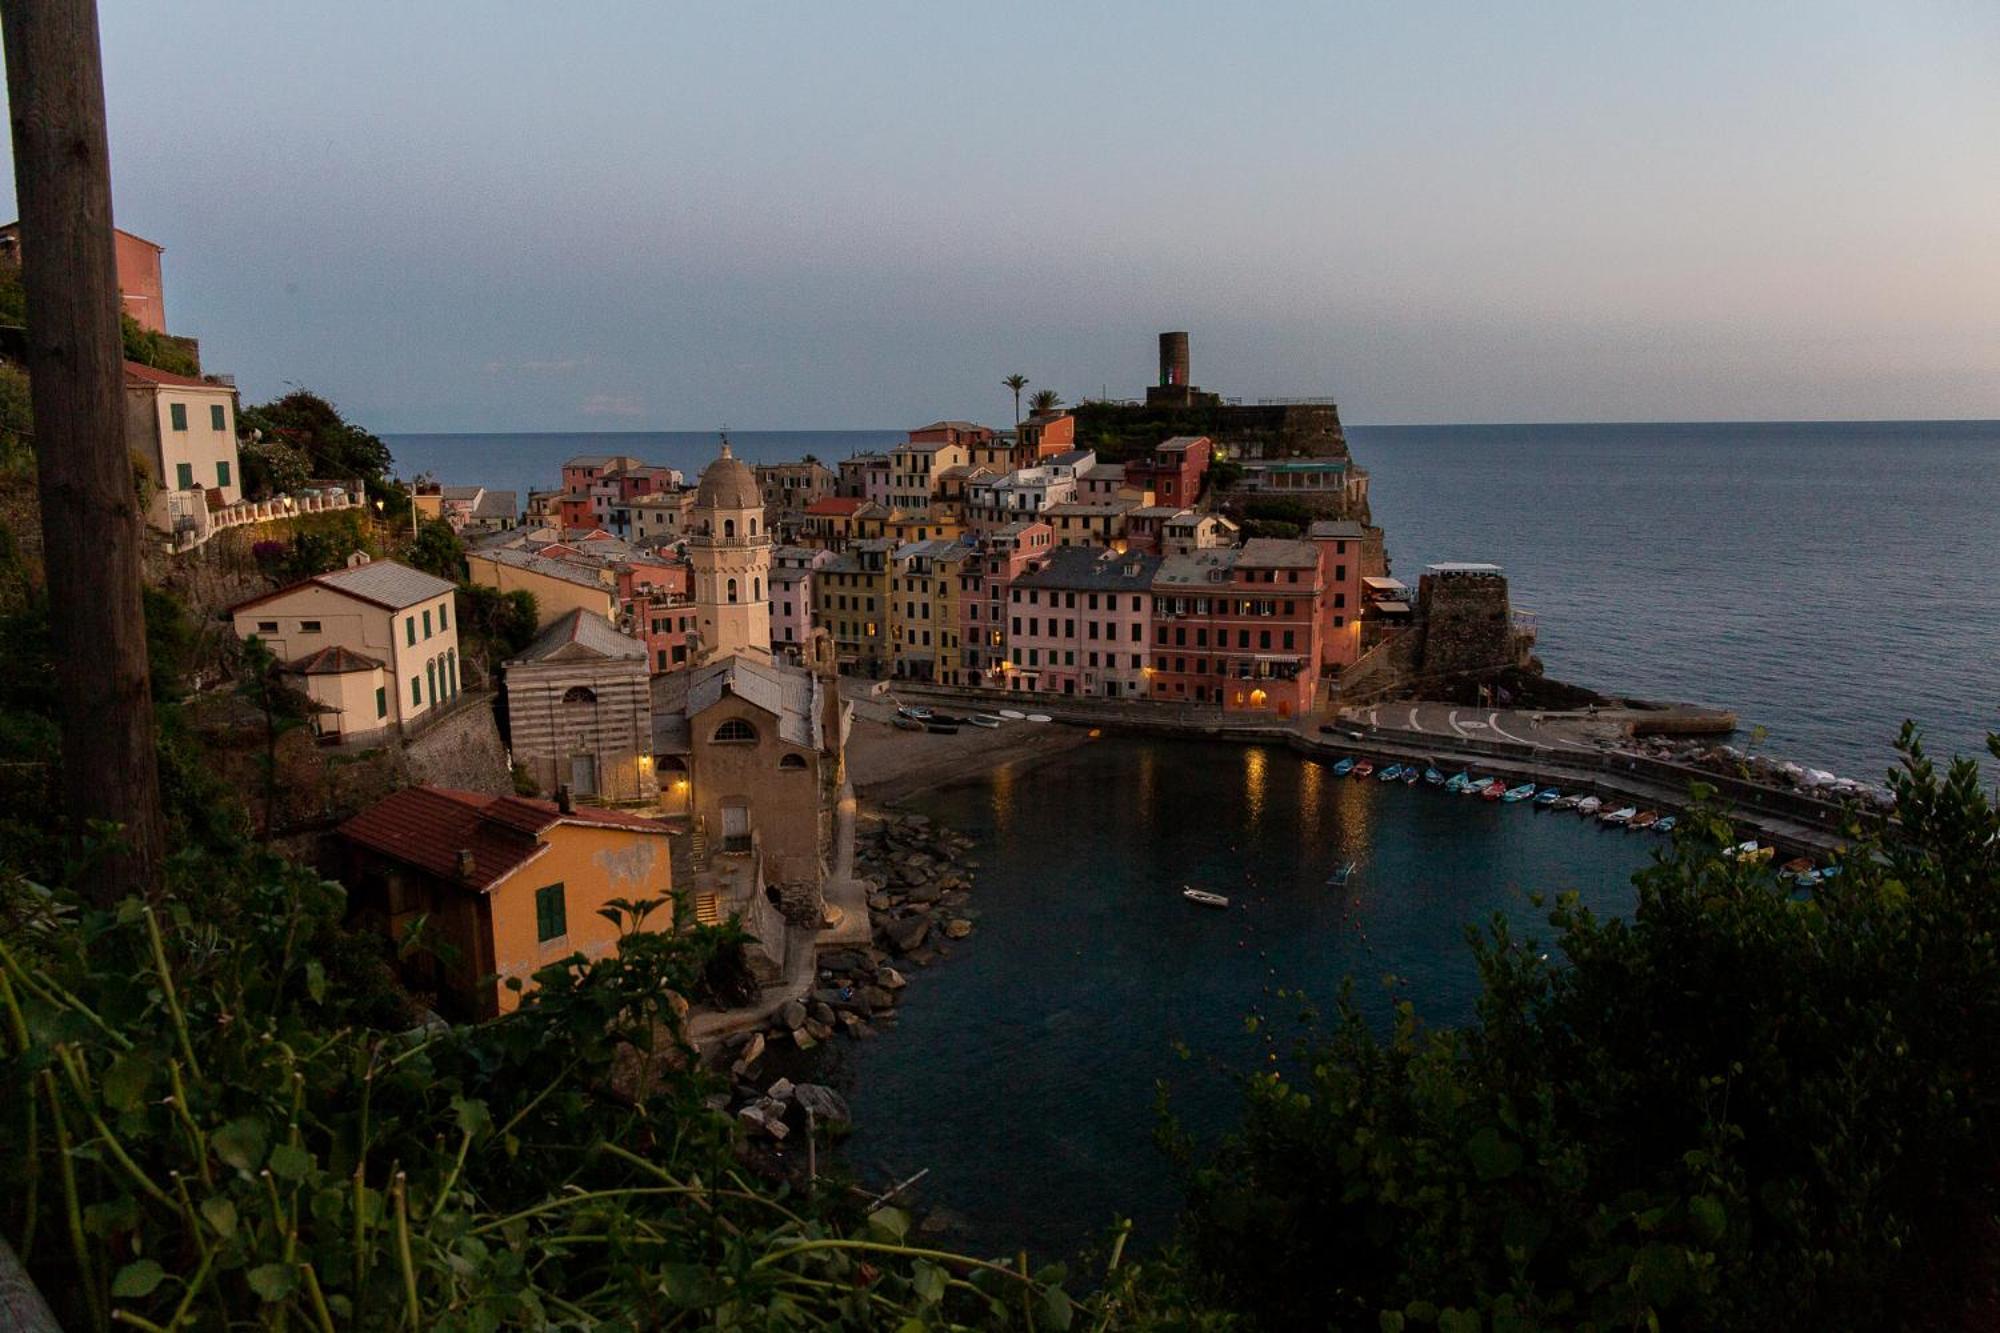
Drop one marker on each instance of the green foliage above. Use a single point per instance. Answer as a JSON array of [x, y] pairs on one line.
[[273, 467], [333, 448], [1741, 1108], [1222, 474], [501, 624], [437, 550], [1295, 512], [1044, 400], [161, 351], [17, 419]]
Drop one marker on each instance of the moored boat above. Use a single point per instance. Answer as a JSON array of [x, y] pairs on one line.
[[1410, 775], [1457, 782], [1548, 796], [1795, 867], [1341, 874], [1760, 856], [1569, 802], [1589, 805], [1623, 814], [1666, 824], [1494, 790], [1477, 786], [1524, 792], [1364, 768], [1344, 767], [1433, 777], [1644, 819], [1204, 897], [1390, 774], [985, 720]]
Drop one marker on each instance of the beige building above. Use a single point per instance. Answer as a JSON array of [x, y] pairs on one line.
[[559, 586], [914, 469], [185, 429], [579, 711], [660, 519], [375, 645], [729, 547]]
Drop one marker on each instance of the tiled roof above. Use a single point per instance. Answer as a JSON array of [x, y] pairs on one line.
[[1277, 553], [1086, 569], [585, 629], [1180, 444], [835, 504], [1336, 527], [1197, 568], [427, 827], [381, 583], [786, 693], [134, 372], [568, 572], [333, 661]]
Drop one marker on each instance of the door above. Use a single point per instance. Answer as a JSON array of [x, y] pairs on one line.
[[583, 775], [735, 828]]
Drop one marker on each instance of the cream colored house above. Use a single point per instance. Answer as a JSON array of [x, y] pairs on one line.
[[374, 644], [560, 586], [185, 429]]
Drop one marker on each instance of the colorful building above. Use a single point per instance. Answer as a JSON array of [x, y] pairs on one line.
[[730, 550], [913, 467], [1076, 624], [792, 569], [1001, 556], [1340, 543], [853, 604], [1173, 471], [1239, 627], [864, 477], [185, 429], [579, 711]]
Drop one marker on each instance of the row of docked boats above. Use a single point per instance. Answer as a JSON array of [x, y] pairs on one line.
[[1497, 789]]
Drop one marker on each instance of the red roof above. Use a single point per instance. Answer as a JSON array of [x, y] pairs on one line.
[[835, 504], [427, 827], [148, 375]]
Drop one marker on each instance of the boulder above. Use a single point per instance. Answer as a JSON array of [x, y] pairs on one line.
[[924, 893], [780, 1091], [793, 1015], [817, 1030], [876, 998], [880, 902], [829, 1108], [908, 933], [803, 1039], [753, 1050], [888, 978], [957, 928], [822, 1011], [844, 960]]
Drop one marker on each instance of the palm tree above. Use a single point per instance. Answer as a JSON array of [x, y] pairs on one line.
[[1016, 383], [1045, 400]]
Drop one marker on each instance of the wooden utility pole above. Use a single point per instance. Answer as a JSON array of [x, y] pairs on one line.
[[91, 523]]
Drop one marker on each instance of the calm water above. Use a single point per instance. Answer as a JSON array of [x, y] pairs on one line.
[[1826, 580], [1023, 1068]]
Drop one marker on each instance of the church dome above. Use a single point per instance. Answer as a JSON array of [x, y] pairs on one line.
[[728, 484]]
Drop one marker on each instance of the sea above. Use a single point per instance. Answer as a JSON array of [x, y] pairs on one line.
[[1827, 580]]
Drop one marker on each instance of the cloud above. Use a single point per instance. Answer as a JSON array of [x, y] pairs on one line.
[[613, 405]]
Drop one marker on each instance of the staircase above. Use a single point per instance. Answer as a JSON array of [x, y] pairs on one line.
[[707, 908], [698, 846]]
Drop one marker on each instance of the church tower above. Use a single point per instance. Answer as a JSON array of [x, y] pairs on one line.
[[731, 554]]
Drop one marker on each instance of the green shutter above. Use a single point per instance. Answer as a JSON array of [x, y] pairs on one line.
[[184, 475], [444, 620], [427, 624], [410, 631], [551, 917], [222, 472], [416, 689], [177, 413], [381, 701], [216, 418]]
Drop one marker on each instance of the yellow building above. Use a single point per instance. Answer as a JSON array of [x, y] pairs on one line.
[[934, 526], [510, 885], [375, 645], [924, 587], [559, 586], [852, 603], [185, 429]]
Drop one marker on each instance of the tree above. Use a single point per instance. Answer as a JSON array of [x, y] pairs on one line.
[[1744, 1107], [334, 449], [1044, 400], [438, 550], [1017, 383], [283, 708], [91, 523]]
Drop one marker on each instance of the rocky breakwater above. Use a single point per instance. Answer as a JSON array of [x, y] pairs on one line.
[[920, 886]]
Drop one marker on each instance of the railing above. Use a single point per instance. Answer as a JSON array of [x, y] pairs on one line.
[[190, 523]]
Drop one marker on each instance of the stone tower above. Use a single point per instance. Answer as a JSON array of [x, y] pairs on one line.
[[731, 555]]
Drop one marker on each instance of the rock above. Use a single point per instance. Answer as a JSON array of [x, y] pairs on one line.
[[888, 978], [780, 1091], [876, 998], [753, 1050], [940, 1221], [677, 1005], [925, 893], [880, 902], [917, 821], [957, 928], [908, 933], [828, 1107], [845, 960], [803, 1039], [717, 1102], [793, 1015], [822, 1011], [817, 1030]]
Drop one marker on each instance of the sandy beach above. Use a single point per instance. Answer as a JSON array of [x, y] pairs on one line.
[[889, 765]]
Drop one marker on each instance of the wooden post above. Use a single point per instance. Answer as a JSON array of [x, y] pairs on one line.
[[91, 520]]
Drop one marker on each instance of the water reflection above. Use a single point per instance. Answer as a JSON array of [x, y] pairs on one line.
[[1312, 777], [1255, 763], [1003, 798]]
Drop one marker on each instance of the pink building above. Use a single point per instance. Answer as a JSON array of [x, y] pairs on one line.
[[1003, 556], [579, 472], [1077, 624], [792, 569], [1174, 470], [1339, 543]]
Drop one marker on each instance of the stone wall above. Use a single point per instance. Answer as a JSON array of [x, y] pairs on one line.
[[1467, 624], [461, 750]]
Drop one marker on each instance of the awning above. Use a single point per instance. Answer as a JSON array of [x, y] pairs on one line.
[[1392, 608]]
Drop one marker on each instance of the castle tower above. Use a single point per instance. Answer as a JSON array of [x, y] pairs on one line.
[[731, 554]]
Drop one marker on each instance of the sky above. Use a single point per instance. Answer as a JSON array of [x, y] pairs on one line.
[[497, 216]]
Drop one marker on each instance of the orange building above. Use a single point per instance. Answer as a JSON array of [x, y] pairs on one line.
[[140, 292], [506, 885]]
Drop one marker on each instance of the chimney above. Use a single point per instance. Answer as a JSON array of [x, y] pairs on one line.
[[357, 559], [466, 864], [563, 801]]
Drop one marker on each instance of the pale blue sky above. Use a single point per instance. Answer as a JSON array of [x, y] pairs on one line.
[[515, 216]]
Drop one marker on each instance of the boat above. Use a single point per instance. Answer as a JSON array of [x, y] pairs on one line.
[[1809, 880], [1456, 782], [1040, 717], [1344, 767], [1741, 850], [1795, 867], [948, 719], [941, 728], [1759, 856], [1547, 796], [1666, 824], [1644, 819], [1364, 768], [1433, 777], [1338, 879], [1589, 805], [1475, 786], [986, 720], [908, 724], [1622, 815], [1012, 714], [1204, 897], [1410, 775], [1494, 790], [1524, 792], [913, 711], [1829, 872], [1390, 774], [1569, 802]]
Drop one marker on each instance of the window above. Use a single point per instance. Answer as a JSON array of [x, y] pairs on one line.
[[409, 631], [579, 694], [735, 731], [444, 620], [551, 917], [267, 627], [792, 761], [308, 627], [222, 472], [217, 419], [416, 690], [381, 701], [732, 590], [184, 476], [178, 414], [430, 677], [427, 624]]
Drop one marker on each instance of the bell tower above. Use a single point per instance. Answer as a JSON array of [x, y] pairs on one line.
[[730, 551]]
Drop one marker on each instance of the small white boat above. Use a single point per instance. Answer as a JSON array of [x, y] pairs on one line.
[[1623, 814], [1570, 802], [1589, 805], [1011, 714], [1341, 874], [1204, 897], [984, 720], [1039, 717]]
